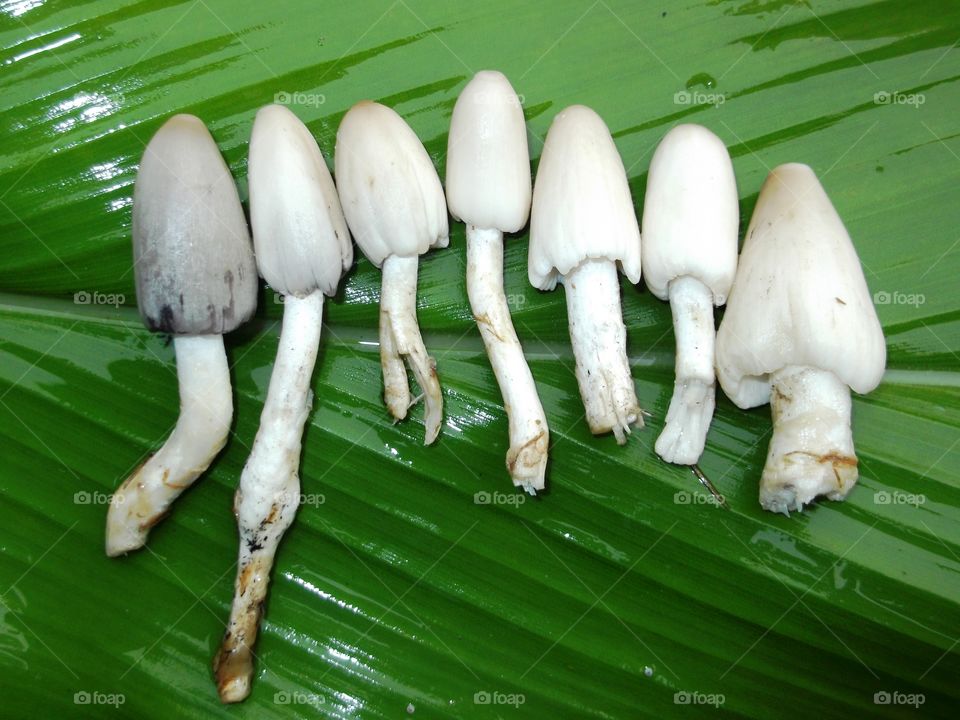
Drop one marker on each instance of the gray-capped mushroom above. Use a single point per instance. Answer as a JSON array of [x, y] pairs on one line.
[[800, 331], [582, 225], [303, 248], [196, 280], [690, 223], [488, 188], [394, 205]]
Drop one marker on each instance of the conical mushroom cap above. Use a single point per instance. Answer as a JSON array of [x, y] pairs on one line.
[[299, 232], [690, 214], [488, 163], [389, 189], [581, 202], [799, 297], [193, 261]]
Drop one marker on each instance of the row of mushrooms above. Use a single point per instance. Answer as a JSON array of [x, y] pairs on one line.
[[799, 329]]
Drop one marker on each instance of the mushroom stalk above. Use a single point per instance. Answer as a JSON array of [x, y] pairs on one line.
[[600, 347], [269, 492], [811, 452], [206, 409], [691, 407], [529, 437], [400, 340]]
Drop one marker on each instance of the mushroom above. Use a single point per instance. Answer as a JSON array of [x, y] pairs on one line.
[[582, 224], [303, 247], [800, 331], [196, 279], [395, 208], [690, 223], [488, 188]]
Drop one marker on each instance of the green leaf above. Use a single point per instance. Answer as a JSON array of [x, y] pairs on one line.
[[607, 596]]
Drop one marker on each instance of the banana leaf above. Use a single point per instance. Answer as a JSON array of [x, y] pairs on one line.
[[621, 592]]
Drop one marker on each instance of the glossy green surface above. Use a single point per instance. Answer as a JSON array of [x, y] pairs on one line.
[[604, 597]]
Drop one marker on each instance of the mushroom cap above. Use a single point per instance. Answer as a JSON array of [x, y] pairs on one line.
[[488, 163], [690, 214], [193, 261], [799, 297], [581, 202], [390, 191], [299, 233]]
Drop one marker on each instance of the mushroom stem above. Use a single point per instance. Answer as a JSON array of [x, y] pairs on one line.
[[811, 452], [269, 492], [529, 436], [599, 341], [691, 407], [400, 340], [206, 409]]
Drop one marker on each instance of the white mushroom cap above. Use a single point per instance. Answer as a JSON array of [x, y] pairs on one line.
[[581, 202], [690, 214], [488, 164], [299, 233], [799, 298], [193, 260], [390, 191]]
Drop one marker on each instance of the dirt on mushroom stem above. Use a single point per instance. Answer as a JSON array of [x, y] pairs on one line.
[[206, 410], [599, 340], [811, 452], [269, 492], [529, 435], [400, 341]]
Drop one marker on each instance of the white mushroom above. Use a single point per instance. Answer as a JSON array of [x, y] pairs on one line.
[[394, 204], [582, 224], [303, 247], [196, 279], [800, 327], [488, 188], [690, 223]]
